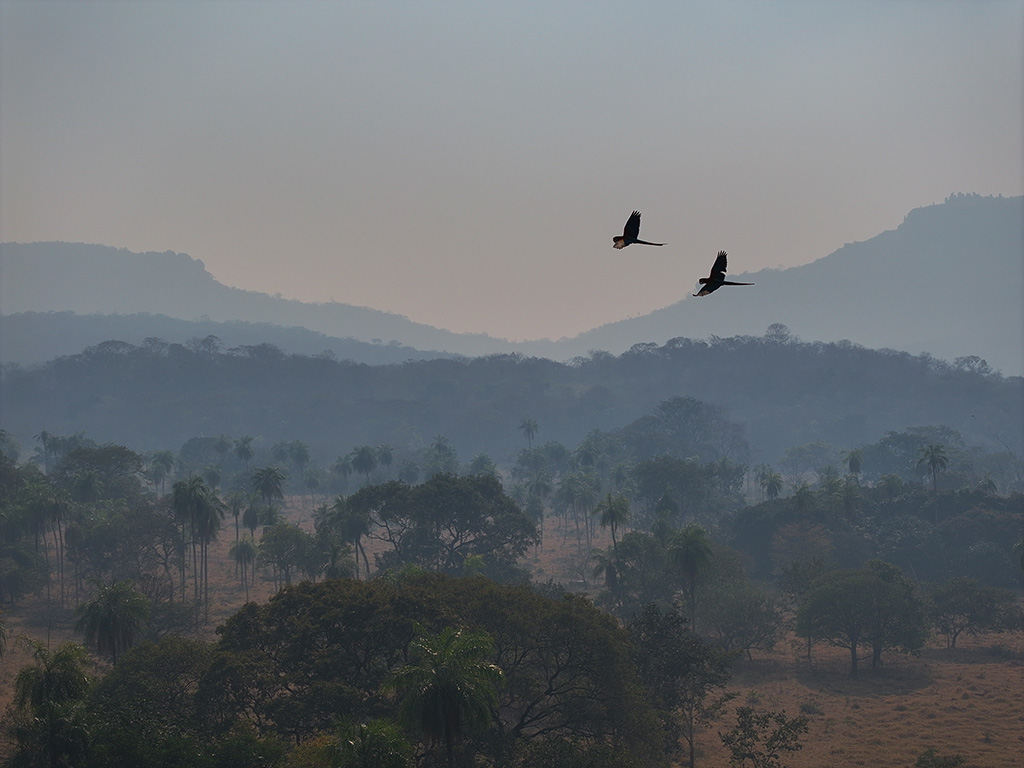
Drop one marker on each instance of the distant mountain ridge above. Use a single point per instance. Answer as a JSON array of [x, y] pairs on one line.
[[97, 279], [948, 281]]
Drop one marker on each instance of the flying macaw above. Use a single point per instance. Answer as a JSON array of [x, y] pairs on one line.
[[631, 233], [717, 277]]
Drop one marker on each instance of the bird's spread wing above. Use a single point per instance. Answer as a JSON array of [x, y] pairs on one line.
[[720, 264], [632, 229]]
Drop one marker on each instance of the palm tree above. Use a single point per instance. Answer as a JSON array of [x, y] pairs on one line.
[[48, 443], [221, 445], [208, 519], [244, 554], [236, 502], [243, 450], [269, 484], [449, 684], [771, 484], [364, 460], [251, 518], [385, 455], [854, 459], [160, 466], [987, 485], [49, 707], [188, 496], [690, 550], [613, 512], [113, 618], [529, 428], [298, 454], [311, 481], [934, 456], [441, 457], [343, 466], [352, 525]]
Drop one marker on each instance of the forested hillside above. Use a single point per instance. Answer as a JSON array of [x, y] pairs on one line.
[[780, 393], [28, 338]]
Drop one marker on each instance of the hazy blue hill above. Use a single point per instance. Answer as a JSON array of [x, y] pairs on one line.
[[28, 338], [948, 281], [97, 279]]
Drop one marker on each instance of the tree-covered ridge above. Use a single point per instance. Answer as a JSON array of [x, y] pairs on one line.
[[781, 391], [30, 338]]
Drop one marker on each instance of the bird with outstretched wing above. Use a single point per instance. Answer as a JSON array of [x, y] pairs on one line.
[[717, 277], [631, 233]]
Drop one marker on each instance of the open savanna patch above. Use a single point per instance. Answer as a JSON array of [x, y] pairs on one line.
[[967, 701]]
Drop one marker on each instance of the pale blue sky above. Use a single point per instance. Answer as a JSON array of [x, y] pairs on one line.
[[467, 163]]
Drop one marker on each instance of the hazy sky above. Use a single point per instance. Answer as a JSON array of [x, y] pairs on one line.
[[467, 163]]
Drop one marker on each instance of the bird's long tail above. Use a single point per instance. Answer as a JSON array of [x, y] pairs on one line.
[[644, 242], [729, 282]]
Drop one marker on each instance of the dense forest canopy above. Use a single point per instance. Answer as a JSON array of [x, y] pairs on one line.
[[780, 391]]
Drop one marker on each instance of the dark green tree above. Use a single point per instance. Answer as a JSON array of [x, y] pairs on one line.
[[963, 605], [351, 523], [739, 616], [114, 618], [161, 464], [244, 451], [854, 460], [49, 721], [529, 428], [199, 512], [683, 675], [385, 457], [874, 606], [449, 687], [144, 709], [375, 744], [613, 512], [772, 485], [436, 525], [285, 548], [268, 482], [244, 553], [690, 550], [364, 460], [759, 739], [934, 457]]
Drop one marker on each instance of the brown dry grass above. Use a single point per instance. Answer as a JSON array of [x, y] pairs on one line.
[[968, 701]]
